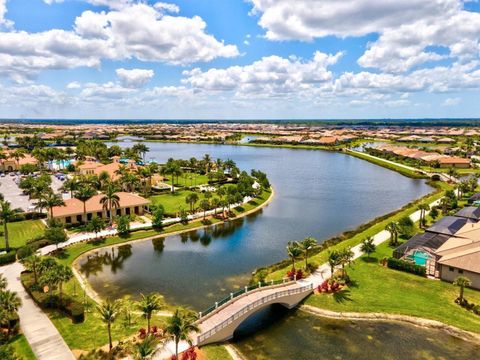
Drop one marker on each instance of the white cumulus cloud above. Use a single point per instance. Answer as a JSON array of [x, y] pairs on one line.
[[134, 78]]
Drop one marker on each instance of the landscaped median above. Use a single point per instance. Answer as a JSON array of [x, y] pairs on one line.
[[91, 334]]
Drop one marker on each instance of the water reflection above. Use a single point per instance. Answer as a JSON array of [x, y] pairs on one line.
[[113, 258]]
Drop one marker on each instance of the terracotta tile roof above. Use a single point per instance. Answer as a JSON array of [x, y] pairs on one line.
[[75, 206], [454, 160]]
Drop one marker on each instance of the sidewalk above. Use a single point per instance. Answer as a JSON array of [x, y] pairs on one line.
[[43, 337]]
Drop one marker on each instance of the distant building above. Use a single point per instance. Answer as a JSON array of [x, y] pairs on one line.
[[456, 162]]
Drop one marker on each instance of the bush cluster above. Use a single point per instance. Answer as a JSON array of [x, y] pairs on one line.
[[8, 257], [71, 307], [406, 266]]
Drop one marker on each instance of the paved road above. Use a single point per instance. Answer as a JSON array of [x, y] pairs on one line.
[[43, 337]]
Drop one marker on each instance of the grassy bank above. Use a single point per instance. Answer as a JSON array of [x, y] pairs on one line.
[[21, 231], [355, 237], [216, 352], [379, 289], [22, 348], [383, 163], [92, 333]]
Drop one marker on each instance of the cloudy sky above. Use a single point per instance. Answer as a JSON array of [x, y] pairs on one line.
[[239, 59]]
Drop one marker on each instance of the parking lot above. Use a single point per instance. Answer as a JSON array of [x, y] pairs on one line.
[[13, 194]]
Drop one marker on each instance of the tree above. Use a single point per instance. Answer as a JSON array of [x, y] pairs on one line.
[[51, 200], [31, 263], [110, 199], [180, 326], [123, 225], [462, 282], [157, 215], [215, 204], [17, 155], [146, 348], [64, 275], [368, 246], [333, 260], [204, 205], [423, 211], [393, 229], [142, 149], [148, 305], [293, 251], [346, 257], [433, 212], [6, 214], [191, 200], [84, 193], [55, 235], [126, 307], [70, 185], [108, 311], [406, 227], [9, 302], [307, 244], [96, 225]]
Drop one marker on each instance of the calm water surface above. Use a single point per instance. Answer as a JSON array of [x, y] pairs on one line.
[[317, 193], [297, 335]]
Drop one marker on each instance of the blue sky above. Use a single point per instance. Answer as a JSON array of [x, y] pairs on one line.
[[236, 59]]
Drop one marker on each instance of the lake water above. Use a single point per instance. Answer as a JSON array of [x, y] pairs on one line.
[[318, 194]]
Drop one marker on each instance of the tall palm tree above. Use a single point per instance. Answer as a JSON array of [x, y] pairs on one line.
[[6, 214], [462, 282], [307, 244], [180, 326], [293, 251], [393, 229], [423, 210], [191, 199], [204, 205], [64, 275], [142, 149], [207, 160], [333, 260], [129, 181], [10, 302], [70, 185], [108, 312], [50, 200], [17, 155], [148, 305], [84, 193], [32, 263], [110, 199]]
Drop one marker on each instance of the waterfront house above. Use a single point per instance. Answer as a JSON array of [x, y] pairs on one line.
[[96, 168], [73, 211], [469, 212], [449, 225]]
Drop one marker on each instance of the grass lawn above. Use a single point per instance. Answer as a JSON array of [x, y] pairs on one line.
[[322, 257], [379, 289], [92, 333], [172, 202], [216, 352], [20, 344], [188, 179], [21, 231]]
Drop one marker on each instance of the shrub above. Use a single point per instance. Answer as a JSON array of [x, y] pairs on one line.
[[406, 266], [476, 309], [8, 257]]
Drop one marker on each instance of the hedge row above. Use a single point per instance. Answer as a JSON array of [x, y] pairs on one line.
[[9, 257], [71, 307], [31, 248], [406, 266]]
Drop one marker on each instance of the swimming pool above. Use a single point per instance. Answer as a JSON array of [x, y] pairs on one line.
[[419, 257]]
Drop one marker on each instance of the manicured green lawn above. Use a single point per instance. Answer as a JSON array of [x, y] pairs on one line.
[[188, 179], [322, 257], [172, 202], [22, 348], [216, 352], [21, 231], [379, 289]]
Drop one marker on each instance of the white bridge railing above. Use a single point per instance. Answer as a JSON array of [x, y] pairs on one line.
[[250, 307]]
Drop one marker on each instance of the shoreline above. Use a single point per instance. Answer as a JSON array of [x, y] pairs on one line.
[[422, 322], [85, 285]]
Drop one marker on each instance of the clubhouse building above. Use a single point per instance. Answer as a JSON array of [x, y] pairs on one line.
[[73, 211]]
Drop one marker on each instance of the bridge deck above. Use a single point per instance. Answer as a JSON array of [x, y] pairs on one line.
[[239, 304]]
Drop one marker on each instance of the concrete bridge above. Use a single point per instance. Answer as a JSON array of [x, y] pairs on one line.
[[221, 322]]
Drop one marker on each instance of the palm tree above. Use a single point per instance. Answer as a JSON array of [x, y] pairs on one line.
[[191, 199], [423, 210], [129, 181], [9, 302], [215, 204], [148, 305], [96, 225], [293, 251], [84, 193], [6, 214], [393, 229], [204, 205], [17, 155], [50, 200], [368, 246], [180, 326], [462, 282], [70, 185], [32, 263], [333, 260], [110, 199], [141, 149], [207, 160], [307, 244], [108, 312], [64, 275], [145, 349]]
